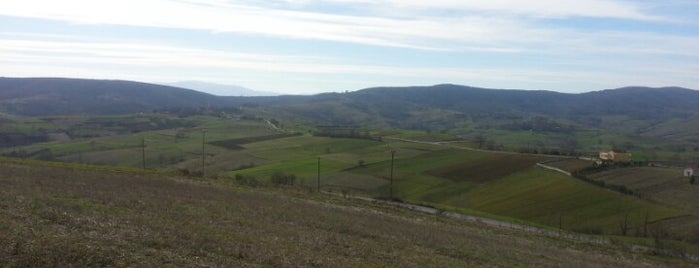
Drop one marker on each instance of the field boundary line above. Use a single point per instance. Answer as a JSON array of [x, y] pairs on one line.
[[544, 166]]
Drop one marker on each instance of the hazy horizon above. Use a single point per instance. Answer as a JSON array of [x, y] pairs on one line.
[[230, 90]]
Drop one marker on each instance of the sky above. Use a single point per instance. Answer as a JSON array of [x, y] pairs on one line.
[[313, 46]]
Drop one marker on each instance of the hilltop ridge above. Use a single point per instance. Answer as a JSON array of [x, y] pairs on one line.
[[50, 96]]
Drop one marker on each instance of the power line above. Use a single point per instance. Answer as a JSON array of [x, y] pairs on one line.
[[393, 154], [143, 152], [319, 174], [203, 152]]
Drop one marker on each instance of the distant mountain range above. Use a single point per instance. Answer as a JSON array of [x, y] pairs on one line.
[[384, 106], [221, 90]]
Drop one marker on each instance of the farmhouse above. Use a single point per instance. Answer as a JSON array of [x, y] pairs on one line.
[[613, 156], [690, 171]]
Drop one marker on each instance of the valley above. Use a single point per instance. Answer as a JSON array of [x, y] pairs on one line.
[[267, 150]]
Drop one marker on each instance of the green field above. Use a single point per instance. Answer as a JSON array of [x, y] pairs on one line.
[[499, 184], [446, 176], [664, 186], [112, 141], [555, 199], [510, 185]]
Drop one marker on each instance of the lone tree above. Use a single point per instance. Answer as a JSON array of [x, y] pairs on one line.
[[480, 140]]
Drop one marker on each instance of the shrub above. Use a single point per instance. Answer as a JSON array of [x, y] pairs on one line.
[[246, 180], [245, 166], [281, 178]]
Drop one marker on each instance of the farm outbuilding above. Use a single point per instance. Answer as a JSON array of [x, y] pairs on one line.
[[615, 156], [690, 171]]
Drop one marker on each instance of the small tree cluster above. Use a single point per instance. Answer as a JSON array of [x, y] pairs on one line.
[[484, 143], [582, 175], [281, 178], [344, 132]]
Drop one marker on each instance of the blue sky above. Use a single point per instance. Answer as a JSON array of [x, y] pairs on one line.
[[309, 46]]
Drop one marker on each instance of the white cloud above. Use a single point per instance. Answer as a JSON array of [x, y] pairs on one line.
[[419, 31], [538, 9], [134, 60], [460, 27], [543, 8]]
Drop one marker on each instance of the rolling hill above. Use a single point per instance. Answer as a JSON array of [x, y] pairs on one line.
[[401, 103], [59, 96], [641, 119], [49, 96], [633, 118]]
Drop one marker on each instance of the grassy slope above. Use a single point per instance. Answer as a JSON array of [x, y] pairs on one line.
[[664, 186], [506, 185], [423, 173], [53, 216], [547, 197], [164, 150], [511, 186], [299, 155]]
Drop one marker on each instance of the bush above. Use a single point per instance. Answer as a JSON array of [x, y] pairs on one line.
[[281, 178], [246, 180], [245, 166], [595, 230]]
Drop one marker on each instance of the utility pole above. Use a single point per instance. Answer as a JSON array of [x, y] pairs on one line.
[[319, 174], [560, 220], [143, 152], [203, 152], [393, 154]]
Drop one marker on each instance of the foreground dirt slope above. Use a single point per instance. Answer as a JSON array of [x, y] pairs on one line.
[[61, 216]]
